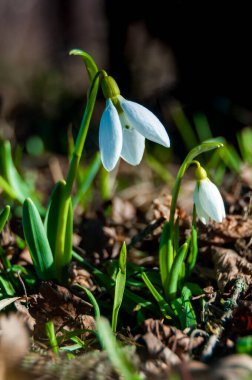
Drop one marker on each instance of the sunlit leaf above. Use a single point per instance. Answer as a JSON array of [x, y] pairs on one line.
[[37, 241]]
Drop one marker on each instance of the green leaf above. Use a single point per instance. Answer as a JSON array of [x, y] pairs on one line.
[[119, 286], [11, 175], [172, 283], [37, 241], [202, 126], [184, 309], [159, 169], [53, 213], [164, 306], [67, 257], [165, 253], [92, 300], [184, 126], [244, 139], [89, 177], [4, 217], [192, 257], [50, 332], [90, 64], [117, 356], [53, 219], [131, 300], [6, 287], [7, 188]]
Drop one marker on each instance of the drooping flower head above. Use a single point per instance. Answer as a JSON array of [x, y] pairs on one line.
[[207, 198], [124, 126]]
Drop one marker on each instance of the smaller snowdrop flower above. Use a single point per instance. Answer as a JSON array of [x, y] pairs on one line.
[[207, 198], [124, 126]]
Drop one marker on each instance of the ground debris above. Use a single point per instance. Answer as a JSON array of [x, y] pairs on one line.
[[57, 304], [229, 265]]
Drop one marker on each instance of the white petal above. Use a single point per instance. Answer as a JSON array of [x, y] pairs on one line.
[[110, 136], [199, 210], [211, 201], [133, 146], [145, 122]]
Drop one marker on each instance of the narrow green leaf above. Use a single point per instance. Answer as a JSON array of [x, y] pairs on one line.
[[184, 127], [8, 189], [172, 283], [50, 332], [11, 175], [59, 228], [184, 309], [159, 169], [244, 139], [117, 356], [89, 177], [4, 214], [192, 257], [119, 286], [53, 214], [231, 158], [92, 300], [165, 253], [6, 287], [37, 241], [164, 306], [131, 300], [89, 63], [202, 126], [67, 257]]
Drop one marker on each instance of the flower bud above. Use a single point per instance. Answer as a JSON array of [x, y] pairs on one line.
[[109, 87], [200, 173]]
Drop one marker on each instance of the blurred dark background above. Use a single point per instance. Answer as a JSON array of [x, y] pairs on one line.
[[161, 53]]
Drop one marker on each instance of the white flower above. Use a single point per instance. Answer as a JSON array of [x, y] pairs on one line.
[[208, 201], [122, 133]]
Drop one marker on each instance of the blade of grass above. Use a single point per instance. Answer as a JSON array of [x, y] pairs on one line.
[[202, 127], [118, 358], [119, 286], [92, 300], [90, 174], [164, 306], [159, 169], [165, 252], [50, 332], [184, 127]]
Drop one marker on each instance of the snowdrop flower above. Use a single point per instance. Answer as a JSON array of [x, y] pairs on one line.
[[207, 198], [124, 127]]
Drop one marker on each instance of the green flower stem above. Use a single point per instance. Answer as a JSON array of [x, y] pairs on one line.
[[81, 138], [169, 242], [72, 172], [204, 147]]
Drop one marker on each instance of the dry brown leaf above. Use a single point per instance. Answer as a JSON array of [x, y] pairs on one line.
[[178, 341], [229, 265]]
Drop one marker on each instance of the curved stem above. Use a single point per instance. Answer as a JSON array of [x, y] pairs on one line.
[[81, 138], [204, 147]]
